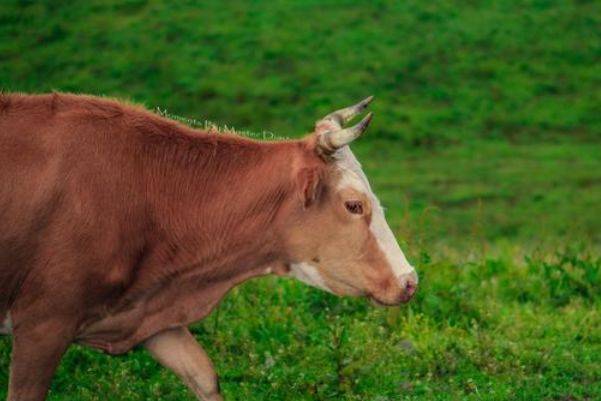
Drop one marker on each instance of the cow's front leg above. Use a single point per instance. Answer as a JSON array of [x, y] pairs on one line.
[[177, 350], [37, 350]]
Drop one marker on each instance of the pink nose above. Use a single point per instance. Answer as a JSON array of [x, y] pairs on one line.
[[408, 285]]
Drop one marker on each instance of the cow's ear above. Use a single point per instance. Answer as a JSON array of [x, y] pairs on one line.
[[309, 184]]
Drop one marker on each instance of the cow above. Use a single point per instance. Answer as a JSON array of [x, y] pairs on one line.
[[120, 227]]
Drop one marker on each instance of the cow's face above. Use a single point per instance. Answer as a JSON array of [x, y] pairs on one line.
[[341, 241]]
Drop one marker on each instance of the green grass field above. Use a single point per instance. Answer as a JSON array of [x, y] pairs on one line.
[[485, 150]]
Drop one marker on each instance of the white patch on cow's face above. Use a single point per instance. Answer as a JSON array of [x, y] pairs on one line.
[[308, 274], [354, 177], [7, 325]]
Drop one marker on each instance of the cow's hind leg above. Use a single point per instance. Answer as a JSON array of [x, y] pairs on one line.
[[37, 350], [177, 350]]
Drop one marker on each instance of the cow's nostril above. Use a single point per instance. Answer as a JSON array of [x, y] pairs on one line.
[[410, 287]]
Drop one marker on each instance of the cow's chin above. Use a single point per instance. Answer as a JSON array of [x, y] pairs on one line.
[[345, 290], [378, 301], [381, 303]]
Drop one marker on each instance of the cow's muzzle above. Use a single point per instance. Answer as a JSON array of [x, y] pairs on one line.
[[401, 293]]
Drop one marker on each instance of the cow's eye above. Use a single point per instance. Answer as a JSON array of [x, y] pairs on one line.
[[354, 206]]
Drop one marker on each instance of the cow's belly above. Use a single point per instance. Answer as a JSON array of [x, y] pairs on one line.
[[6, 326], [119, 332]]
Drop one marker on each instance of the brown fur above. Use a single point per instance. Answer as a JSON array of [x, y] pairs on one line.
[[111, 209], [118, 224]]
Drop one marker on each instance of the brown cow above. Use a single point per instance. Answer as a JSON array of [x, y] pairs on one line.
[[120, 227]]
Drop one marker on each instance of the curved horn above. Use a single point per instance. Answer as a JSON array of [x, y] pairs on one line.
[[345, 115], [329, 141]]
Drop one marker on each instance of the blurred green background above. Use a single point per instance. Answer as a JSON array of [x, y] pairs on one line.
[[485, 150]]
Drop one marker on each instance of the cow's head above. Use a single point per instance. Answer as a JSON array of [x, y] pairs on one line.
[[339, 239]]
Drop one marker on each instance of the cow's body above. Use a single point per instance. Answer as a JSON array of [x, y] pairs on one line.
[[102, 208], [118, 225]]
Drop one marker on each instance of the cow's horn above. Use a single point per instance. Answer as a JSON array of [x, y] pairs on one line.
[[343, 116], [331, 140]]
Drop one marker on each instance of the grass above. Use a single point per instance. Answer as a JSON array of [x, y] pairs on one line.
[[493, 329], [485, 151], [442, 72]]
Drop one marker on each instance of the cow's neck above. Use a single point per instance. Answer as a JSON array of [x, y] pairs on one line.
[[218, 218]]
